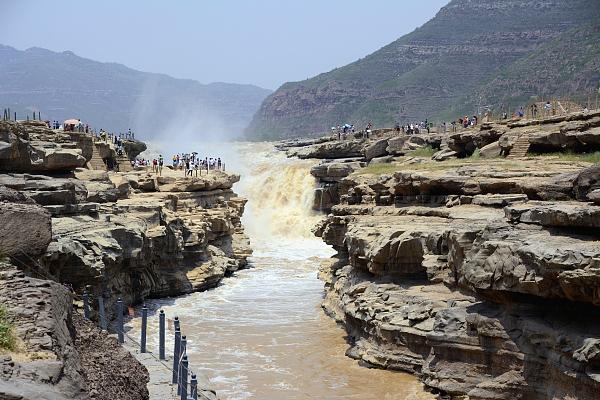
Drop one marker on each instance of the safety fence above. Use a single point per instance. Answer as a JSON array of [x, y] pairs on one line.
[[183, 377], [8, 115]]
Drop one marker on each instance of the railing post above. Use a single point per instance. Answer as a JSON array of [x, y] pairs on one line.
[[194, 387], [183, 378], [86, 304], [101, 313], [144, 327], [161, 335], [120, 334], [176, 351], [182, 353]]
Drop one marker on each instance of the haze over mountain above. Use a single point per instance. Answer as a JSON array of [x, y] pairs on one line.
[[472, 55], [117, 98]]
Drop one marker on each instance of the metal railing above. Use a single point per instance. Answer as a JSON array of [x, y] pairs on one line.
[[183, 376]]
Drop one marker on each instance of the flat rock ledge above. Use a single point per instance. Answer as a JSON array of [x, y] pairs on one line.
[[482, 279], [133, 235]]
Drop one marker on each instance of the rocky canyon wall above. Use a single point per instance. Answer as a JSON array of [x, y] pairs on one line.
[[479, 276], [130, 234]]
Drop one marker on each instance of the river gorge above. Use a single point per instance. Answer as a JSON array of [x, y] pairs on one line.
[[472, 277], [261, 334]]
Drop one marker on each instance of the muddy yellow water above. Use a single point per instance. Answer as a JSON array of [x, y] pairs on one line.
[[262, 334]]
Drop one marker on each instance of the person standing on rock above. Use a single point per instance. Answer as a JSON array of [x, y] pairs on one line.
[[161, 161], [197, 166]]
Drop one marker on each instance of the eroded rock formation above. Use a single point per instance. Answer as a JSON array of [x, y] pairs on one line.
[[60, 356], [482, 278], [131, 234]]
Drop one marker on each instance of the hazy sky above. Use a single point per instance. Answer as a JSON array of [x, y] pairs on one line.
[[263, 42]]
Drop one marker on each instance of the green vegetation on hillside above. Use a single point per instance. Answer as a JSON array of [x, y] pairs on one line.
[[472, 55], [566, 67], [577, 157], [7, 336]]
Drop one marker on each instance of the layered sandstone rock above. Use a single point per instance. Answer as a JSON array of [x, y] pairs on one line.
[[575, 132], [479, 278], [132, 235], [332, 149], [29, 147], [25, 227], [58, 355]]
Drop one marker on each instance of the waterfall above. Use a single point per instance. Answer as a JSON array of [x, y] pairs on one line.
[[280, 194], [245, 334]]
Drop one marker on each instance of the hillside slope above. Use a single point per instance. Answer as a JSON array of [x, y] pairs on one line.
[[425, 74], [568, 65], [114, 97]]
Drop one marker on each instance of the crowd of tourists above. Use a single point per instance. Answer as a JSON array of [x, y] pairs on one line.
[[190, 163], [342, 131], [75, 125], [413, 128], [113, 137]]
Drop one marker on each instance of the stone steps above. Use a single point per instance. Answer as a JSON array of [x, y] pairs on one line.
[[521, 147], [96, 161]]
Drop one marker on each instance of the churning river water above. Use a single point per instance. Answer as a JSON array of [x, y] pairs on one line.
[[261, 334]]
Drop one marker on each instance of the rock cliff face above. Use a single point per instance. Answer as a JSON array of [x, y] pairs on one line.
[[480, 278], [60, 356], [132, 235], [435, 71], [30, 146]]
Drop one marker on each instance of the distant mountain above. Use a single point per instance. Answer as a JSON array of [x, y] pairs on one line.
[[114, 97], [473, 53]]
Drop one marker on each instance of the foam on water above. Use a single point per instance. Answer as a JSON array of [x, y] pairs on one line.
[[261, 334]]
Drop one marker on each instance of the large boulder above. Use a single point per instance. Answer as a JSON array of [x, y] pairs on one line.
[[594, 196], [396, 145], [25, 227], [337, 149], [587, 182], [377, 149], [134, 148], [573, 215], [333, 171], [47, 190], [462, 143], [26, 148], [212, 181], [466, 142], [491, 150], [529, 260], [444, 155]]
